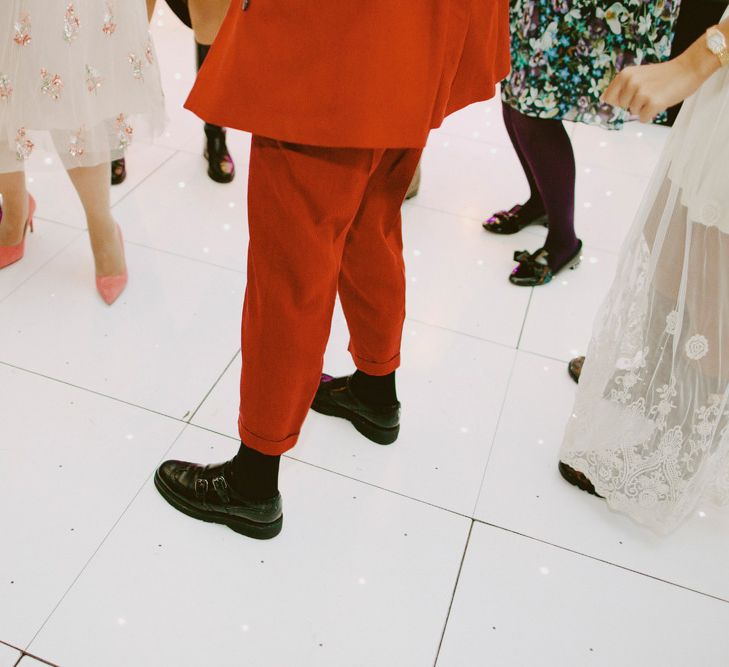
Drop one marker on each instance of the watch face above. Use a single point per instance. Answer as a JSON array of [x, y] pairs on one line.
[[716, 42]]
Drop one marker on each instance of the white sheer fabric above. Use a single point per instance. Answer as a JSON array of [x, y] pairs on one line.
[[650, 425], [82, 73]]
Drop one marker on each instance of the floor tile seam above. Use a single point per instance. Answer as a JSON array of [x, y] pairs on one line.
[[496, 432], [526, 317], [145, 178], [374, 486], [24, 654], [240, 272], [185, 423], [604, 561], [464, 334], [116, 399], [532, 233], [9, 645], [453, 594], [215, 384], [105, 537], [43, 265]]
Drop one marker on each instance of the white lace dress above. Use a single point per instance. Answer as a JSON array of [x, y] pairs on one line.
[[81, 74], [650, 425]]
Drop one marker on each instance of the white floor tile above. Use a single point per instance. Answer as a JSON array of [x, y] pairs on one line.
[[634, 150], [561, 313], [470, 178], [70, 462], [180, 210], [520, 602], [45, 242], [480, 122], [57, 199], [162, 344], [606, 202], [523, 492], [441, 453], [458, 276], [29, 661], [8, 656], [358, 576]]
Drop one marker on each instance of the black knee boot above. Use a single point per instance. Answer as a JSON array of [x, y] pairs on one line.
[[220, 164]]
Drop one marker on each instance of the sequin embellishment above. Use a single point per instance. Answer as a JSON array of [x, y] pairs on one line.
[[71, 24], [93, 79], [77, 144], [109, 26], [23, 145], [136, 63], [6, 88], [124, 132], [149, 52], [21, 35], [51, 84]]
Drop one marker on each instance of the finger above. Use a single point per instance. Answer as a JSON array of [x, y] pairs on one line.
[[613, 91]]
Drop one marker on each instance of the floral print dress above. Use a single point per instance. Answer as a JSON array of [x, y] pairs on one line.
[[78, 75], [564, 53]]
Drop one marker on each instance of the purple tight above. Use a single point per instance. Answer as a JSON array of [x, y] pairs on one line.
[[545, 152]]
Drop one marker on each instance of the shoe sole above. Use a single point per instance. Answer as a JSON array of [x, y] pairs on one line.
[[573, 374], [541, 220], [580, 481], [258, 531], [377, 434]]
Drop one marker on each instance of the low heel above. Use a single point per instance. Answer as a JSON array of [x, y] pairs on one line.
[[258, 531], [378, 435]]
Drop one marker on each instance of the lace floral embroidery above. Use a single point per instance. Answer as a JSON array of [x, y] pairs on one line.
[[697, 347], [71, 24], [22, 27], [6, 88], [51, 84], [124, 132], [109, 25], [77, 144], [136, 63], [23, 145], [93, 79]]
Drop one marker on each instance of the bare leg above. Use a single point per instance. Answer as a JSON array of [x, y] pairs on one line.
[[150, 8], [207, 17], [92, 185], [15, 207]]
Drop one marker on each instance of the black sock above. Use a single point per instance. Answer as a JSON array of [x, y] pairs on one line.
[[255, 475], [373, 389]]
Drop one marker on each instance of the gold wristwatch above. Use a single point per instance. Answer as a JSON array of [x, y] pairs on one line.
[[716, 43]]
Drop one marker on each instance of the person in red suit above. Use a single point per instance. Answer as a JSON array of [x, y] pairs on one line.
[[340, 101]]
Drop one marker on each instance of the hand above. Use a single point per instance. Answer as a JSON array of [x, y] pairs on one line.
[[647, 90]]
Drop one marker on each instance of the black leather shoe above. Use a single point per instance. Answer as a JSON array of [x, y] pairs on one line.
[[336, 399], [203, 492], [578, 479], [221, 167]]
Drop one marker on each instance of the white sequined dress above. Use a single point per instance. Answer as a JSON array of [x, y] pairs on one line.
[[650, 425], [81, 75]]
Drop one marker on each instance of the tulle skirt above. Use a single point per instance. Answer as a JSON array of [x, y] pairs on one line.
[[81, 75], [650, 425]]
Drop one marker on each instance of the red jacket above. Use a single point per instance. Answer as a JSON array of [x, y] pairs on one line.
[[351, 73]]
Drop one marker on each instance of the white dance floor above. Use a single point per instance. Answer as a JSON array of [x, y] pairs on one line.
[[459, 546]]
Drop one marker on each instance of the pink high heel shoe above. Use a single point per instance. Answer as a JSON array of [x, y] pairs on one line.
[[9, 254], [111, 287]]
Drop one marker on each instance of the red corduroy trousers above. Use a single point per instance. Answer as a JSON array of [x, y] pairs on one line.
[[322, 221]]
